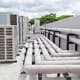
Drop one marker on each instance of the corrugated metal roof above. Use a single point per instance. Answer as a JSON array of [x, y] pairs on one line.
[[72, 22]]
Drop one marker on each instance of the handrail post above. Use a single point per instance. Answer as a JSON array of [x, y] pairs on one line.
[[59, 41], [70, 42], [53, 37], [39, 76], [49, 35], [45, 32], [41, 31]]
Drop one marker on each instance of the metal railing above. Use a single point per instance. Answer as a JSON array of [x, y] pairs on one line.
[[72, 36]]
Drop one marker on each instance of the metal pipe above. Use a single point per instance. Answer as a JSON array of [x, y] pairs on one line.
[[53, 45], [28, 59], [39, 61], [63, 58], [62, 62], [61, 53], [50, 69], [67, 30], [71, 38], [46, 54]]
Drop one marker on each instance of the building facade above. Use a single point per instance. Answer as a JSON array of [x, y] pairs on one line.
[[8, 19], [12, 35], [8, 39], [7, 43], [22, 29]]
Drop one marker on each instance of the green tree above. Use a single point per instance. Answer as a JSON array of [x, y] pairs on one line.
[[49, 18], [31, 21], [63, 17]]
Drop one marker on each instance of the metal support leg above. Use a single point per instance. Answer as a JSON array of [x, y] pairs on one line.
[[59, 41], [33, 77], [45, 32], [24, 56], [76, 47], [53, 37], [66, 76], [68, 41], [39, 76], [41, 32], [58, 74], [49, 35]]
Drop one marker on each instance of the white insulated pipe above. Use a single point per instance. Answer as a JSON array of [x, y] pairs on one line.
[[63, 58], [43, 62], [62, 62], [77, 41], [53, 45], [57, 48], [73, 31], [58, 57], [28, 60], [37, 52], [50, 69], [64, 53], [45, 53], [55, 62], [61, 35], [23, 50], [28, 77], [48, 46], [26, 45], [67, 30], [54, 53], [31, 77]]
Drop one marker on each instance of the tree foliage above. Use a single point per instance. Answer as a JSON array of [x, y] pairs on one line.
[[49, 18], [31, 21], [63, 17]]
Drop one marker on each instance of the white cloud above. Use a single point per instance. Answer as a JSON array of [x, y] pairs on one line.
[[25, 1], [65, 13], [34, 8]]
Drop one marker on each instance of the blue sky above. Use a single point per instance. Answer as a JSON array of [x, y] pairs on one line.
[[34, 8]]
